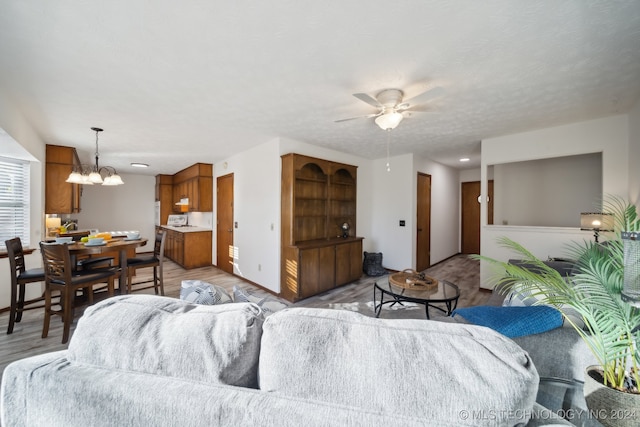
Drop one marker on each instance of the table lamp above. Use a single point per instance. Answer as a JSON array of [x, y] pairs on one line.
[[597, 222]]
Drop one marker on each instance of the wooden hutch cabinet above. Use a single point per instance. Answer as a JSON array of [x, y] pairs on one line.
[[61, 197], [318, 197]]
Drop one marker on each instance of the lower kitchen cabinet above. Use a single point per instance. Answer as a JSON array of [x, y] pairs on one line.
[[313, 267], [189, 249]]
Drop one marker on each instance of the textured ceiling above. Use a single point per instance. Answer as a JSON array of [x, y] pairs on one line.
[[173, 83]]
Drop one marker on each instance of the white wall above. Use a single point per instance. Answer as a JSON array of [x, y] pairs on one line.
[[392, 195], [120, 208], [445, 208], [547, 192], [18, 129], [256, 194], [609, 135]]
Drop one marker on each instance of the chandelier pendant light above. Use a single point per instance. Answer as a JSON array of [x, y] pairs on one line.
[[89, 175]]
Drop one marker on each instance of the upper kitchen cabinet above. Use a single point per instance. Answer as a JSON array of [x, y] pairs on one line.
[[61, 197], [196, 184]]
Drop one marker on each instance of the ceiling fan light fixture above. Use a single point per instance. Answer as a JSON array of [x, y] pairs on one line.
[[388, 121]]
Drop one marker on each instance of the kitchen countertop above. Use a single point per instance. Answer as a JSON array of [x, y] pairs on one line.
[[187, 229]]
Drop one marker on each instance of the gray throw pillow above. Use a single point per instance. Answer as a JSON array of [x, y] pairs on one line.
[[268, 305], [199, 292]]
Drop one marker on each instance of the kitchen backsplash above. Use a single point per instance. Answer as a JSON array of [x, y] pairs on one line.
[[200, 219]]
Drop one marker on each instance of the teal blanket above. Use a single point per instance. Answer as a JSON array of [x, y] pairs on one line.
[[513, 321]]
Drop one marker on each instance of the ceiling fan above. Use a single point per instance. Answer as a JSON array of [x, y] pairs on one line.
[[392, 106]]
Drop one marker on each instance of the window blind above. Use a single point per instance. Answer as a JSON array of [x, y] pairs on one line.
[[14, 200]]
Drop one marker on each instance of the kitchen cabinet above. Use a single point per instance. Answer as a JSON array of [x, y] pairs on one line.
[[317, 197], [196, 184], [164, 195], [61, 197], [189, 249]]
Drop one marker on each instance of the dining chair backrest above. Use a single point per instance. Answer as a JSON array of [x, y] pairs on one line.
[[158, 247], [56, 261], [16, 256]]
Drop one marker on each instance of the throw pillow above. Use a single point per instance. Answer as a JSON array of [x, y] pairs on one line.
[[267, 304], [513, 321], [372, 264], [514, 299], [199, 292]]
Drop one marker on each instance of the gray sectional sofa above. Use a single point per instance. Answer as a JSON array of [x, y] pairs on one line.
[[141, 360]]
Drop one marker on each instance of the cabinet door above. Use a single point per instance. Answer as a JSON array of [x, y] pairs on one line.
[[58, 193], [348, 262], [317, 270], [179, 247]]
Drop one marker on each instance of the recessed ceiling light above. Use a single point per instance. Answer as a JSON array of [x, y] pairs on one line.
[[139, 165], [464, 159]]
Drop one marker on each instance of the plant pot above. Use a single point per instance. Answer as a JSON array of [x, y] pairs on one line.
[[608, 405]]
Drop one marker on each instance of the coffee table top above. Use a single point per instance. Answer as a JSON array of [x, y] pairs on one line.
[[443, 292]]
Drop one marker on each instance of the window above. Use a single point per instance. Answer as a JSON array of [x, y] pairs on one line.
[[14, 200]]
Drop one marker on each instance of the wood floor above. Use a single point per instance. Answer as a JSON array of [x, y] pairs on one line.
[[26, 338]]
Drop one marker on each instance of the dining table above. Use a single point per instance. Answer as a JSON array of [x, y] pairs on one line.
[[116, 244]]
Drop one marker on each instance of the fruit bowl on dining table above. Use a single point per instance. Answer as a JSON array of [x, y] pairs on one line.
[[61, 240]]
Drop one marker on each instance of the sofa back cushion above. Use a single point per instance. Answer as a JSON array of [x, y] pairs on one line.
[[165, 336], [435, 370]]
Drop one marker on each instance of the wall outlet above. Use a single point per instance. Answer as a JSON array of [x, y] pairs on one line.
[[402, 223], [259, 267]]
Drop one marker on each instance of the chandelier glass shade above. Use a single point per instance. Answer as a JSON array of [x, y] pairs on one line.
[[93, 174]]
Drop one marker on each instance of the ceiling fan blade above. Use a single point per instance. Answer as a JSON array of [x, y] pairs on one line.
[[418, 109], [368, 99], [359, 117], [428, 94]]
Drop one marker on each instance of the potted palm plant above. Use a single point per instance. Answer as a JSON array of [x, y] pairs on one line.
[[611, 326]]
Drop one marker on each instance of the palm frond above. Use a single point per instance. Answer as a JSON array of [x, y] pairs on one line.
[[612, 327]]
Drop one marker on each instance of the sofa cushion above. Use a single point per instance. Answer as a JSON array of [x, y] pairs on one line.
[[200, 292], [433, 370], [268, 304], [166, 336], [513, 321]]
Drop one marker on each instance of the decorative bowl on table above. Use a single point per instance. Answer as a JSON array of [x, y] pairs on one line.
[[95, 241], [64, 239], [133, 235]]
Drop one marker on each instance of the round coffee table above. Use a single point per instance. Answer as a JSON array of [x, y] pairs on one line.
[[445, 293]]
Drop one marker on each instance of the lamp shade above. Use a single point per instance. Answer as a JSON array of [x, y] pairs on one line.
[[95, 177], [596, 221], [74, 178]]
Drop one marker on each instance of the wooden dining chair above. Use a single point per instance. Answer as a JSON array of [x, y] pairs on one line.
[[154, 261], [60, 275], [20, 277]]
